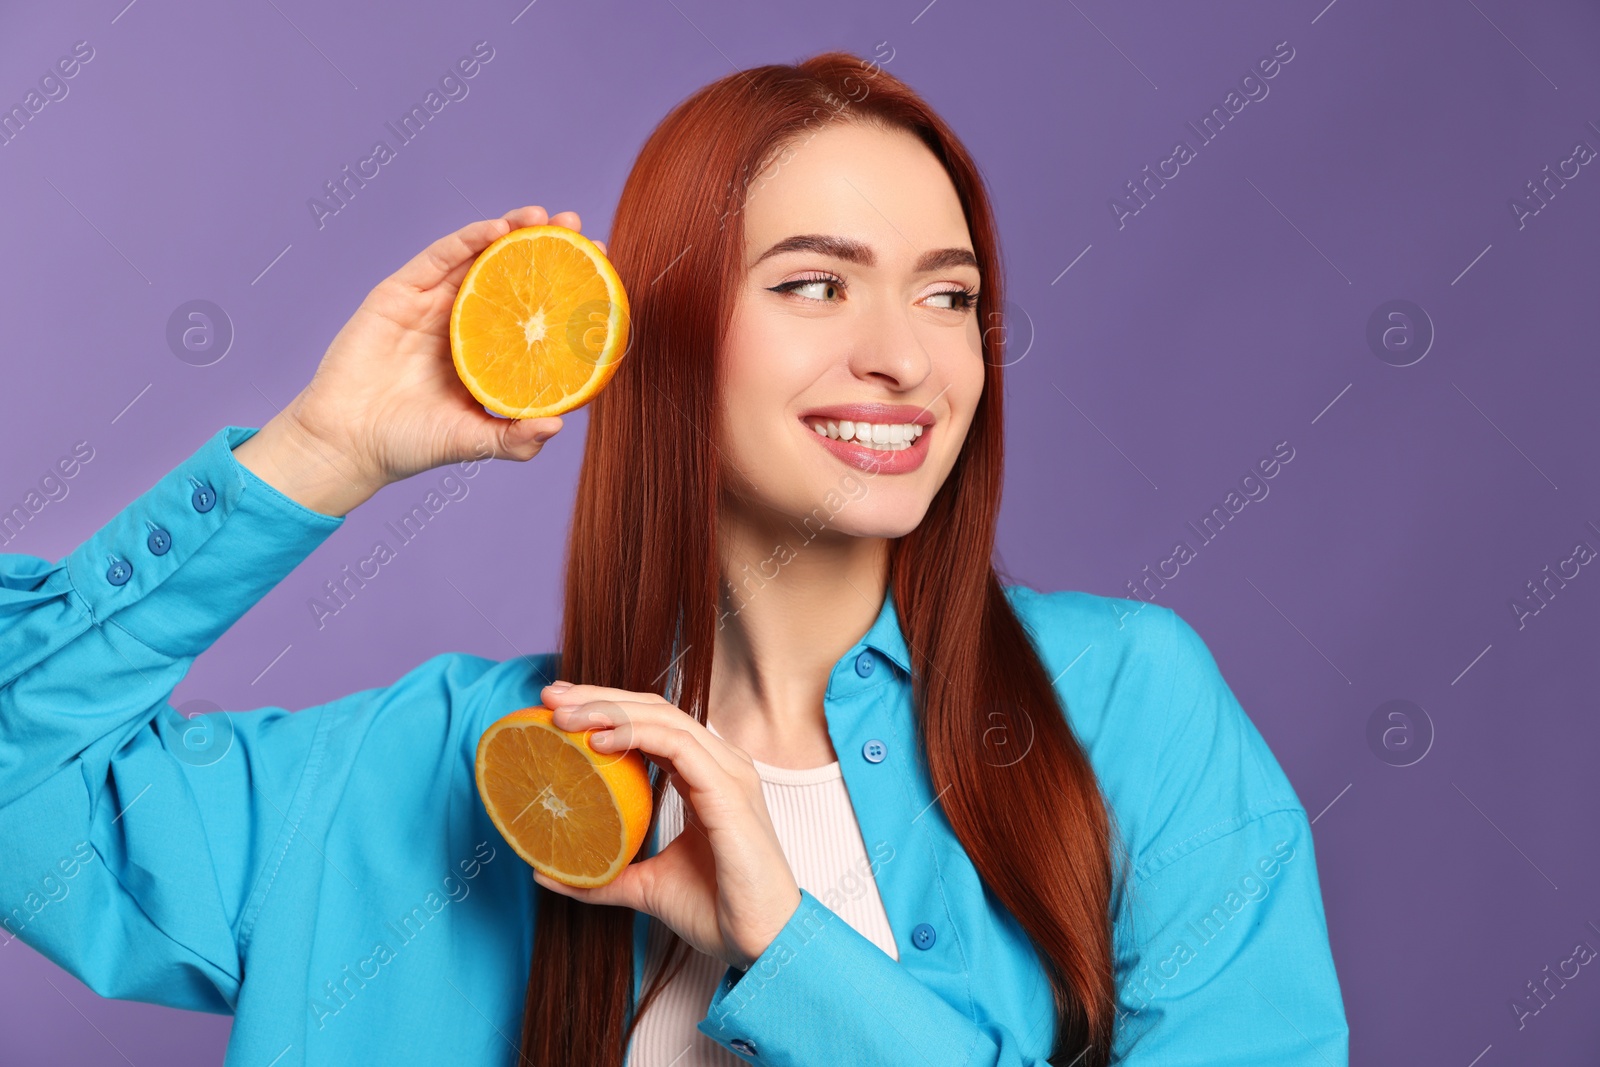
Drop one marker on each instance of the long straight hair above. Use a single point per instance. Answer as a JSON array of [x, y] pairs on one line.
[[643, 575]]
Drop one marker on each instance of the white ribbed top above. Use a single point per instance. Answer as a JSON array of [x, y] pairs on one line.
[[822, 841]]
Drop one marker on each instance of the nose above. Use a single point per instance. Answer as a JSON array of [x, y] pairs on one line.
[[887, 348]]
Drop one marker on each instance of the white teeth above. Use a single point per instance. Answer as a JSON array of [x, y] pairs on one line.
[[886, 437]]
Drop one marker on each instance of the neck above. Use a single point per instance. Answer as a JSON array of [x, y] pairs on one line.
[[790, 607]]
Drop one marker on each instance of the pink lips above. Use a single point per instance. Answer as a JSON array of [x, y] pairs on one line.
[[872, 413], [872, 460]]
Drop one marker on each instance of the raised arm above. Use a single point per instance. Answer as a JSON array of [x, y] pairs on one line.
[[136, 845]]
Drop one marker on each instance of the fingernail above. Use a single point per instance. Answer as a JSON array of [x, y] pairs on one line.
[[557, 687], [543, 435]]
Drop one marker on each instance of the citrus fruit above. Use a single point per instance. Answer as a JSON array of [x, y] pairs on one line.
[[576, 815], [539, 323]]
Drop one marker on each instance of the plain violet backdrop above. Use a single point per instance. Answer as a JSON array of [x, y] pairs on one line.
[[1351, 263]]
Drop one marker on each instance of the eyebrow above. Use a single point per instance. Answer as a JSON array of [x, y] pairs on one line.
[[852, 251]]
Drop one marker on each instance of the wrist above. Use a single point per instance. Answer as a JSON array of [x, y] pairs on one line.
[[760, 946], [304, 469]]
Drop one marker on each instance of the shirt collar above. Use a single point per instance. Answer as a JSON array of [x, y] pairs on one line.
[[885, 635]]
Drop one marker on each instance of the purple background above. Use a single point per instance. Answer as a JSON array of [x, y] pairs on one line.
[[1229, 314]]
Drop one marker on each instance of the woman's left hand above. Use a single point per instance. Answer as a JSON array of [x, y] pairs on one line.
[[723, 884]]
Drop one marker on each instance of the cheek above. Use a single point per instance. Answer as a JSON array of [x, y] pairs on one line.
[[759, 382], [965, 372], [976, 360], [741, 371], [767, 362]]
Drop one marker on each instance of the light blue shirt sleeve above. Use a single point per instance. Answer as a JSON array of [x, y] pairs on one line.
[[110, 865], [137, 847], [1222, 952]]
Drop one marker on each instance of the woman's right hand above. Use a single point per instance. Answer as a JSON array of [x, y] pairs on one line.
[[385, 403]]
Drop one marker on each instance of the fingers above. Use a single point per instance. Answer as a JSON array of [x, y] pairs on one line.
[[588, 711], [526, 216], [577, 694], [570, 220], [448, 258], [683, 752]]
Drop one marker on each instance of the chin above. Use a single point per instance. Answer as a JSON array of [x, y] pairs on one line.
[[883, 519]]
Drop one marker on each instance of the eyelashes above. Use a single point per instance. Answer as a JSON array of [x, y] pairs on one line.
[[797, 283], [965, 299], [962, 299]]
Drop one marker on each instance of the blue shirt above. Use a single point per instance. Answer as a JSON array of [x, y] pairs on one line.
[[330, 878]]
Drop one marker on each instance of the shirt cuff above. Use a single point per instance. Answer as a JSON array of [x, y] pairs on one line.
[[822, 992], [189, 557]]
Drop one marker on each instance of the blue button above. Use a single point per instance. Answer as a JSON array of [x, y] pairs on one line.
[[204, 498], [874, 750], [864, 664], [159, 541], [923, 936], [741, 1045], [119, 572]]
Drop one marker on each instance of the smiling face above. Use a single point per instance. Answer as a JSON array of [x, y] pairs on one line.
[[857, 314]]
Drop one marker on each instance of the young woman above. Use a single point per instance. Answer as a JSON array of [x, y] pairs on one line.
[[917, 815]]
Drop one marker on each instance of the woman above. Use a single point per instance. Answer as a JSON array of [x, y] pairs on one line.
[[931, 817]]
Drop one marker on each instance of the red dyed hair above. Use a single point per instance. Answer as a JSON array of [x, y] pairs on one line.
[[643, 570]]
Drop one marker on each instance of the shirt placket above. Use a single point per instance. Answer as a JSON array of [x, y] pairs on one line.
[[871, 722]]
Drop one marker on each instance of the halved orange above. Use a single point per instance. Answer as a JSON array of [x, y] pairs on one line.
[[539, 324], [576, 815]]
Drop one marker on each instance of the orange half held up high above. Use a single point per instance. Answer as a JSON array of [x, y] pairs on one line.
[[539, 324], [575, 815]]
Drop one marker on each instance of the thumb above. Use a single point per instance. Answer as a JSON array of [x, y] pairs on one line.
[[620, 891], [516, 439]]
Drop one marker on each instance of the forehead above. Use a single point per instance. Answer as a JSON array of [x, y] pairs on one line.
[[883, 187]]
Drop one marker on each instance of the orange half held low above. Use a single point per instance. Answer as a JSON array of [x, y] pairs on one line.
[[539, 324], [576, 815]]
